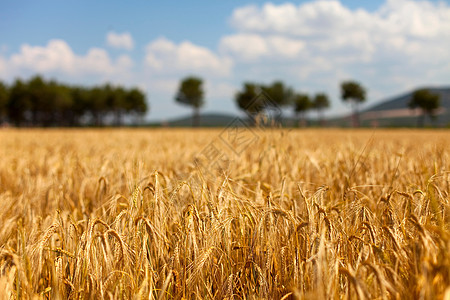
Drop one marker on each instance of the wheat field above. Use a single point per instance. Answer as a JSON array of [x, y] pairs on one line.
[[224, 214]]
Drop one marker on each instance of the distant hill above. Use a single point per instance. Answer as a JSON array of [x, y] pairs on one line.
[[206, 120], [395, 111], [401, 101]]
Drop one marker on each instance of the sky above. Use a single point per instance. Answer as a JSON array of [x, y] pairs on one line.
[[389, 46]]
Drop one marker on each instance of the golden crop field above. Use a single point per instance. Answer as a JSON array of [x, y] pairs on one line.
[[214, 214]]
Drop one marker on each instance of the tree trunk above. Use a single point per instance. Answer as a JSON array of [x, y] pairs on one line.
[[118, 117], [355, 117], [320, 117], [196, 117], [433, 118], [253, 119], [421, 120], [279, 119]]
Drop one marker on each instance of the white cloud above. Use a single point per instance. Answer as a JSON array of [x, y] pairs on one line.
[[58, 57], [2, 66], [310, 18], [165, 57], [415, 18], [164, 86], [399, 27], [327, 17], [96, 61], [120, 40], [124, 62], [251, 47], [221, 90]]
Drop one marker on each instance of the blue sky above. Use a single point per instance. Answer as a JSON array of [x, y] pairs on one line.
[[389, 46]]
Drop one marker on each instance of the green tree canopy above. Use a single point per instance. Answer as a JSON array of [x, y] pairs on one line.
[[98, 104], [247, 99], [320, 103], [355, 93], [427, 101], [190, 92], [115, 101], [80, 103], [38, 102], [279, 93], [302, 103], [4, 96], [19, 102], [57, 107], [135, 102]]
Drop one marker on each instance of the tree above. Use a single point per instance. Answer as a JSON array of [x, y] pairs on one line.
[[60, 110], [80, 104], [135, 102], [254, 99], [320, 103], [190, 93], [115, 101], [280, 95], [38, 102], [37, 90], [4, 96], [97, 105], [425, 100], [302, 104], [19, 103], [247, 100], [46, 103], [355, 93]]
